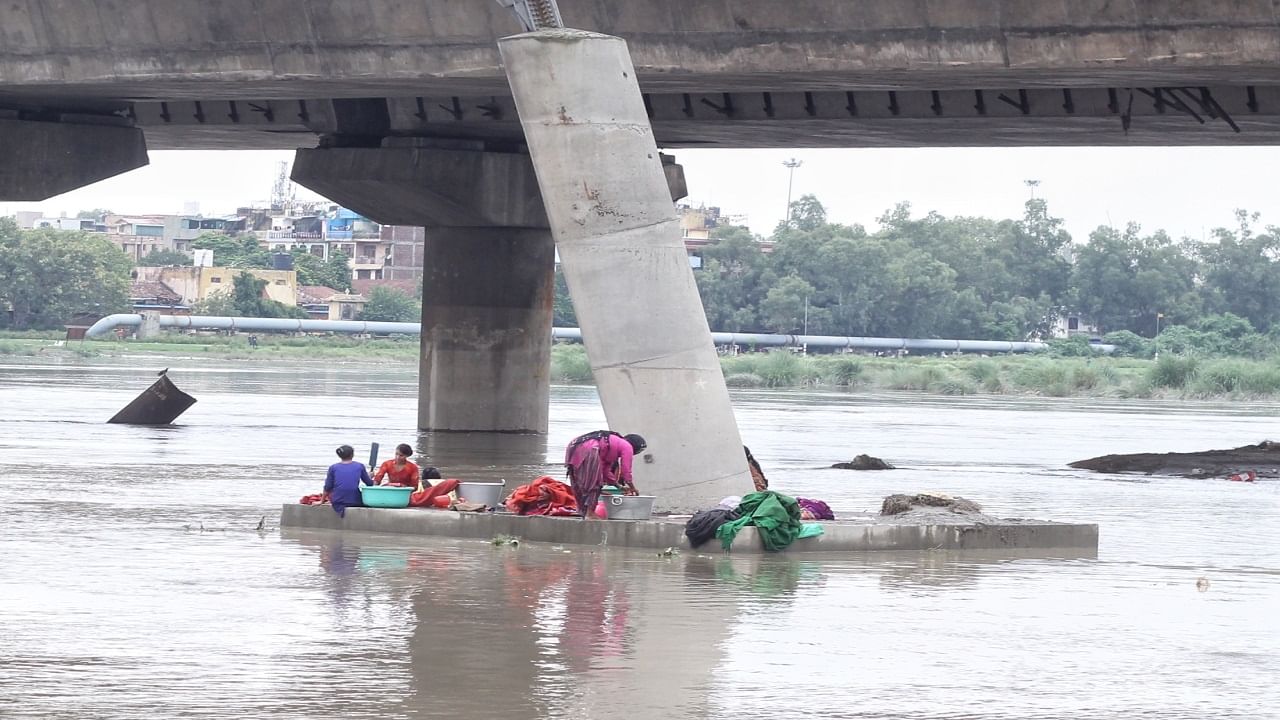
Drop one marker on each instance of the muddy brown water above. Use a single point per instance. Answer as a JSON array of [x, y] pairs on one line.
[[133, 580]]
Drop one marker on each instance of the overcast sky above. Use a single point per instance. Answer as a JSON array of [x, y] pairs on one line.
[[1186, 191]]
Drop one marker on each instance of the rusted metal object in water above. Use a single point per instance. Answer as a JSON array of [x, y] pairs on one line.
[[159, 404]]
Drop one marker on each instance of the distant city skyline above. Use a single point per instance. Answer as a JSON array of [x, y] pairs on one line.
[[1185, 191]]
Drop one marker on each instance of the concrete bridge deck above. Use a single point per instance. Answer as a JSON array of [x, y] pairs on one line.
[[860, 534], [716, 73]]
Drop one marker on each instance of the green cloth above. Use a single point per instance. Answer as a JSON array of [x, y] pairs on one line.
[[775, 516], [809, 530]]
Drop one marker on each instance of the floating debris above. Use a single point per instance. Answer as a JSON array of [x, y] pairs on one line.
[[159, 404], [507, 540]]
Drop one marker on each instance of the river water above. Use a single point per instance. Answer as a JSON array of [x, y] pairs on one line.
[[134, 578]]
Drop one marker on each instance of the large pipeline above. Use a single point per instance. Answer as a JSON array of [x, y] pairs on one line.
[[209, 322]]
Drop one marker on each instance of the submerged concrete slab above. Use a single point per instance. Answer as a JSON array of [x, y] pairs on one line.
[[860, 534]]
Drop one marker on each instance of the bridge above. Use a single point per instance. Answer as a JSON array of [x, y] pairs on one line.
[[404, 110]]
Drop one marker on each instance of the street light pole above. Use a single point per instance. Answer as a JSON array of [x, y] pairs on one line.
[[791, 166]]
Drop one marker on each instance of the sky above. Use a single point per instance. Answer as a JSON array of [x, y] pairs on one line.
[[1185, 191]]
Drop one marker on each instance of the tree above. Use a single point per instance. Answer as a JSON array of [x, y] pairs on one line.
[[239, 252], [562, 312], [94, 214], [162, 258], [218, 303], [1121, 280], [248, 300], [808, 214], [48, 276], [1242, 272], [338, 272], [390, 305], [785, 303], [733, 279]]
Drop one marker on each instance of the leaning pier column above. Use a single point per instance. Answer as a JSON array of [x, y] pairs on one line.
[[620, 246]]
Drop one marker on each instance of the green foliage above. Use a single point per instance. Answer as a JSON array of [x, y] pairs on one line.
[[163, 258], [238, 252], [217, 303], [1173, 371], [562, 312], [1129, 344], [569, 363], [1076, 346], [48, 276], [248, 300], [391, 305], [313, 270]]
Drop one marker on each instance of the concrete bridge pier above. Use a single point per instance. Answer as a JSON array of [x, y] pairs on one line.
[[608, 201], [488, 276]]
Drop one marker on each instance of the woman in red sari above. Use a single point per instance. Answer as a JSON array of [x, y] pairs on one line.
[[400, 470]]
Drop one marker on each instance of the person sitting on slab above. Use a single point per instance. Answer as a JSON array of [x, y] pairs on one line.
[[400, 470], [433, 495], [342, 483]]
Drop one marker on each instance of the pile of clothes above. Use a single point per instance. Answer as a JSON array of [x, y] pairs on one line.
[[777, 519], [544, 496]]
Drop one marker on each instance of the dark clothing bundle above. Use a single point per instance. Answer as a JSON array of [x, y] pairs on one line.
[[704, 523]]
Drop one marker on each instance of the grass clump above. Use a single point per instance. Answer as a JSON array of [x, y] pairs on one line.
[[1173, 371], [569, 363], [842, 371], [744, 380]]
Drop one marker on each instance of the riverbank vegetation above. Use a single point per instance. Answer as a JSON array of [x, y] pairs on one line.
[[1058, 373], [1043, 374]]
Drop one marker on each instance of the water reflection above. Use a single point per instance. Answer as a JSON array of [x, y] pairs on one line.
[[488, 457]]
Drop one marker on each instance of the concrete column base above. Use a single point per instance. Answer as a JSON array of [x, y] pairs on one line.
[[486, 330]]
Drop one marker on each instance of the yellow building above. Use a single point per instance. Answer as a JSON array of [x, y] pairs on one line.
[[198, 283], [346, 307]]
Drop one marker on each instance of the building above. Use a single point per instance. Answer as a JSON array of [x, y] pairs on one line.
[[1071, 324], [156, 296], [314, 299], [194, 284], [697, 225], [346, 307], [405, 252]]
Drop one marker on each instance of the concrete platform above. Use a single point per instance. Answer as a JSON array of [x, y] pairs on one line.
[[870, 533]]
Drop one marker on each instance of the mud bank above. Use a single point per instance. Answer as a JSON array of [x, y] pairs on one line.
[[1263, 459]]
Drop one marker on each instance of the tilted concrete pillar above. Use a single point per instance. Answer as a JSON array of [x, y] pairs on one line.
[[39, 160], [488, 282], [626, 266]]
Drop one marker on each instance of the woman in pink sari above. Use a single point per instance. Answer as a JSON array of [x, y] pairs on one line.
[[597, 459]]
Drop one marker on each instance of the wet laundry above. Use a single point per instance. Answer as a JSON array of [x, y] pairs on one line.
[[775, 516], [544, 496], [815, 510], [704, 523]]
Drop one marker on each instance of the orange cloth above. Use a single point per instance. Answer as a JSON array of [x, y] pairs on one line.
[[317, 499], [436, 496], [406, 476], [544, 496]]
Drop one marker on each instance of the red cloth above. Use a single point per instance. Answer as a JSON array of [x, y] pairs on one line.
[[317, 499], [544, 496], [406, 476], [435, 496]]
